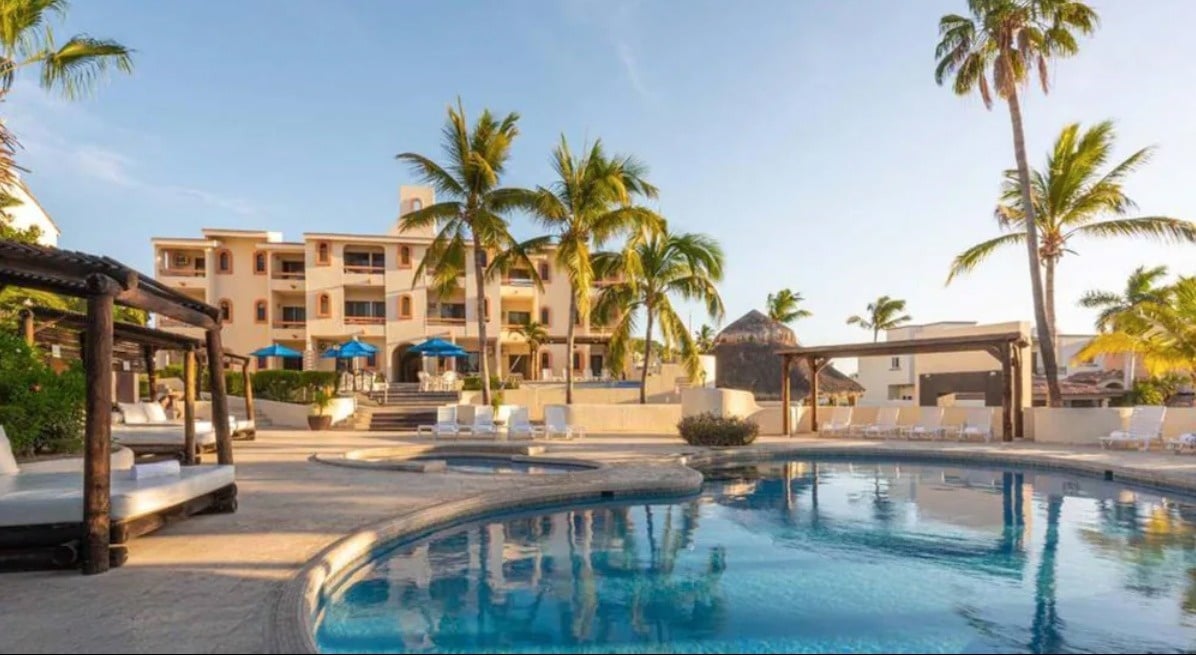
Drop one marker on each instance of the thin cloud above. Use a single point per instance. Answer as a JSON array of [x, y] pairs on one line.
[[631, 68]]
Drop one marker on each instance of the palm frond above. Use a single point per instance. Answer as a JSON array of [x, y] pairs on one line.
[[967, 261], [1162, 228], [76, 67]]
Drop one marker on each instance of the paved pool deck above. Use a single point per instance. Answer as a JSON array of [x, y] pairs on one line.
[[210, 584]]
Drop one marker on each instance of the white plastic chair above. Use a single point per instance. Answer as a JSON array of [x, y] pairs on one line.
[[839, 421], [519, 424], [483, 421], [546, 374], [446, 423], [556, 423], [930, 424], [978, 422], [1146, 425], [448, 381], [886, 422], [425, 384]]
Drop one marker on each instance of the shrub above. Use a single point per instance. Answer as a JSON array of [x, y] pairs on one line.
[[41, 411], [711, 430], [474, 383], [289, 386]]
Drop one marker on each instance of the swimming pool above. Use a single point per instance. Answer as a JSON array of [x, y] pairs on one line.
[[499, 465], [797, 556]]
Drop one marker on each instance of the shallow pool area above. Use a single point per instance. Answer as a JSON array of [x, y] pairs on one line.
[[801, 556]]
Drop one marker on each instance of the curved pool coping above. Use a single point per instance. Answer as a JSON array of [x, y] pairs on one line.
[[420, 458], [291, 626]]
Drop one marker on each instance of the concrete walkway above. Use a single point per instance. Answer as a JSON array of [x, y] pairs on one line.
[[208, 584]]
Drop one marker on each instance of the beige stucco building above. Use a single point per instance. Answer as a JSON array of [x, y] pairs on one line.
[[28, 212], [330, 287]]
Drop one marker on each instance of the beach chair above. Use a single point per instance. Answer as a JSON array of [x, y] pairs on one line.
[[446, 423], [483, 421], [886, 423], [929, 425], [1146, 425], [556, 423], [977, 422], [518, 424], [838, 423]]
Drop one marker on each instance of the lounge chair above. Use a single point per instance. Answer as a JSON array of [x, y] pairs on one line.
[[886, 423], [1146, 425], [838, 423], [519, 424], [929, 425], [483, 421], [546, 375], [1185, 442], [977, 422], [556, 423], [446, 423]]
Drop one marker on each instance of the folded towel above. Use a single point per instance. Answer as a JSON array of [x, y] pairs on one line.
[[155, 470]]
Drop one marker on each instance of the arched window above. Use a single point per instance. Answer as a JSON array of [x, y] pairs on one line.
[[404, 256], [259, 311], [576, 361], [404, 306], [416, 204], [323, 306], [226, 311], [545, 316], [259, 263], [224, 261], [323, 253], [545, 360], [544, 272]]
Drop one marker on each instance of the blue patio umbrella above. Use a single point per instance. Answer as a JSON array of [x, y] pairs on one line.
[[349, 350], [275, 350], [438, 348]]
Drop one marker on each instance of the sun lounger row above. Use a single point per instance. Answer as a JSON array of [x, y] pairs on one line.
[[145, 428], [977, 423], [516, 419]]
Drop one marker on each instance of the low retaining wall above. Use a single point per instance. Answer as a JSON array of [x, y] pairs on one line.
[[637, 419], [1086, 425]]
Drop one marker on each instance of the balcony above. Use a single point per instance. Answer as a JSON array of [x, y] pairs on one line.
[[365, 320], [181, 272], [445, 320], [517, 286], [288, 330], [279, 283]]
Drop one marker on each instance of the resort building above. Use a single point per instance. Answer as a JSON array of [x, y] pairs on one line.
[[328, 288], [27, 212]]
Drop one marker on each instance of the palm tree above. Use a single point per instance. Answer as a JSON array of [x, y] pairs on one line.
[[1071, 194], [1140, 288], [884, 314], [1007, 39], [1163, 334], [783, 306], [589, 203], [704, 339], [535, 334], [470, 218], [655, 266]]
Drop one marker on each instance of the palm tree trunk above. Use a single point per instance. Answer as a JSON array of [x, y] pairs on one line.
[[569, 330], [480, 287], [1048, 291], [1046, 335], [647, 355], [875, 334]]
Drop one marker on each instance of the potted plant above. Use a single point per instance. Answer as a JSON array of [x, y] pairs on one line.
[[319, 419]]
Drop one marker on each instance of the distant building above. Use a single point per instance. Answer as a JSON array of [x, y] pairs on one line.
[[30, 213]]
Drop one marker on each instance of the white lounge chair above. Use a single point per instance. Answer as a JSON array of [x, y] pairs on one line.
[[929, 425], [483, 421], [838, 423], [1185, 442], [519, 424], [546, 375], [446, 423], [886, 423], [977, 422], [556, 423], [1146, 425]]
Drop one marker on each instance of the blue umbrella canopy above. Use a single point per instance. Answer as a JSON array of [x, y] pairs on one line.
[[438, 348], [349, 350], [275, 350]]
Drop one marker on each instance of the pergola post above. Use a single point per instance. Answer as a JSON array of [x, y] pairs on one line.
[[151, 371], [27, 326], [1019, 390], [97, 362], [1006, 392], [224, 444], [247, 382], [786, 427], [189, 451], [814, 367]]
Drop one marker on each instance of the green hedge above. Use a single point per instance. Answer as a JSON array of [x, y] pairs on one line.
[[474, 383], [41, 411], [710, 430], [287, 386]]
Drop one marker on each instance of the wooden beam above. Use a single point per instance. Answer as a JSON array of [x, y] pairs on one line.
[[786, 364], [27, 326], [813, 364], [189, 450], [1019, 393], [224, 443], [247, 382], [97, 482], [1007, 394], [141, 299], [906, 346]]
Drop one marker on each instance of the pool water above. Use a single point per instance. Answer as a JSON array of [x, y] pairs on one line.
[[500, 465], [798, 556]]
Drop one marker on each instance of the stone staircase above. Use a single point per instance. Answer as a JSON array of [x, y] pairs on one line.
[[402, 407]]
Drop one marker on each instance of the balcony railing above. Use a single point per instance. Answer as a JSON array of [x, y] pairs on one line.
[[364, 320], [367, 270], [519, 281], [444, 320], [290, 325], [281, 275], [182, 272]]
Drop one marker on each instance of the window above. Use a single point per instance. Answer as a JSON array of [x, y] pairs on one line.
[[360, 259], [454, 311], [259, 311], [292, 364], [518, 318], [224, 261], [259, 263], [404, 306], [895, 364], [544, 272], [545, 360], [180, 260], [292, 266], [545, 316], [577, 361], [323, 253], [226, 311], [294, 314], [324, 306], [263, 363], [485, 257], [404, 256], [371, 360], [365, 309], [416, 204], [486, 302]]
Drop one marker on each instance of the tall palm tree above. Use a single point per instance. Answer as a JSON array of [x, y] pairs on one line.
[[653, 267], [1071, 194], [883, 314], [783, 306], [1008, 39], [589, 203], [1163, 334], [704, 339], [1141, 287], [535, 334], [470, 219]]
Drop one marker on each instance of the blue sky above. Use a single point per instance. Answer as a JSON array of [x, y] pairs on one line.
[[809, 138]]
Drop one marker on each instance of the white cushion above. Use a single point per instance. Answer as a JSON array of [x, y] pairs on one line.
[[164, 469], [134, 413], [245, 425], [161, 435], [8, 462], [40, 498], [155, 412]]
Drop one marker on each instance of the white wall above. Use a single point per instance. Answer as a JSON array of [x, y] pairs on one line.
[[30, 213]]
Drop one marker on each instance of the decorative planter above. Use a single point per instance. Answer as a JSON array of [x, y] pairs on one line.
[[319, 422]]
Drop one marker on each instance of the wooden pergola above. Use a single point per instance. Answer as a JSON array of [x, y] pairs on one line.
[[1006, 347], [104, 283]]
